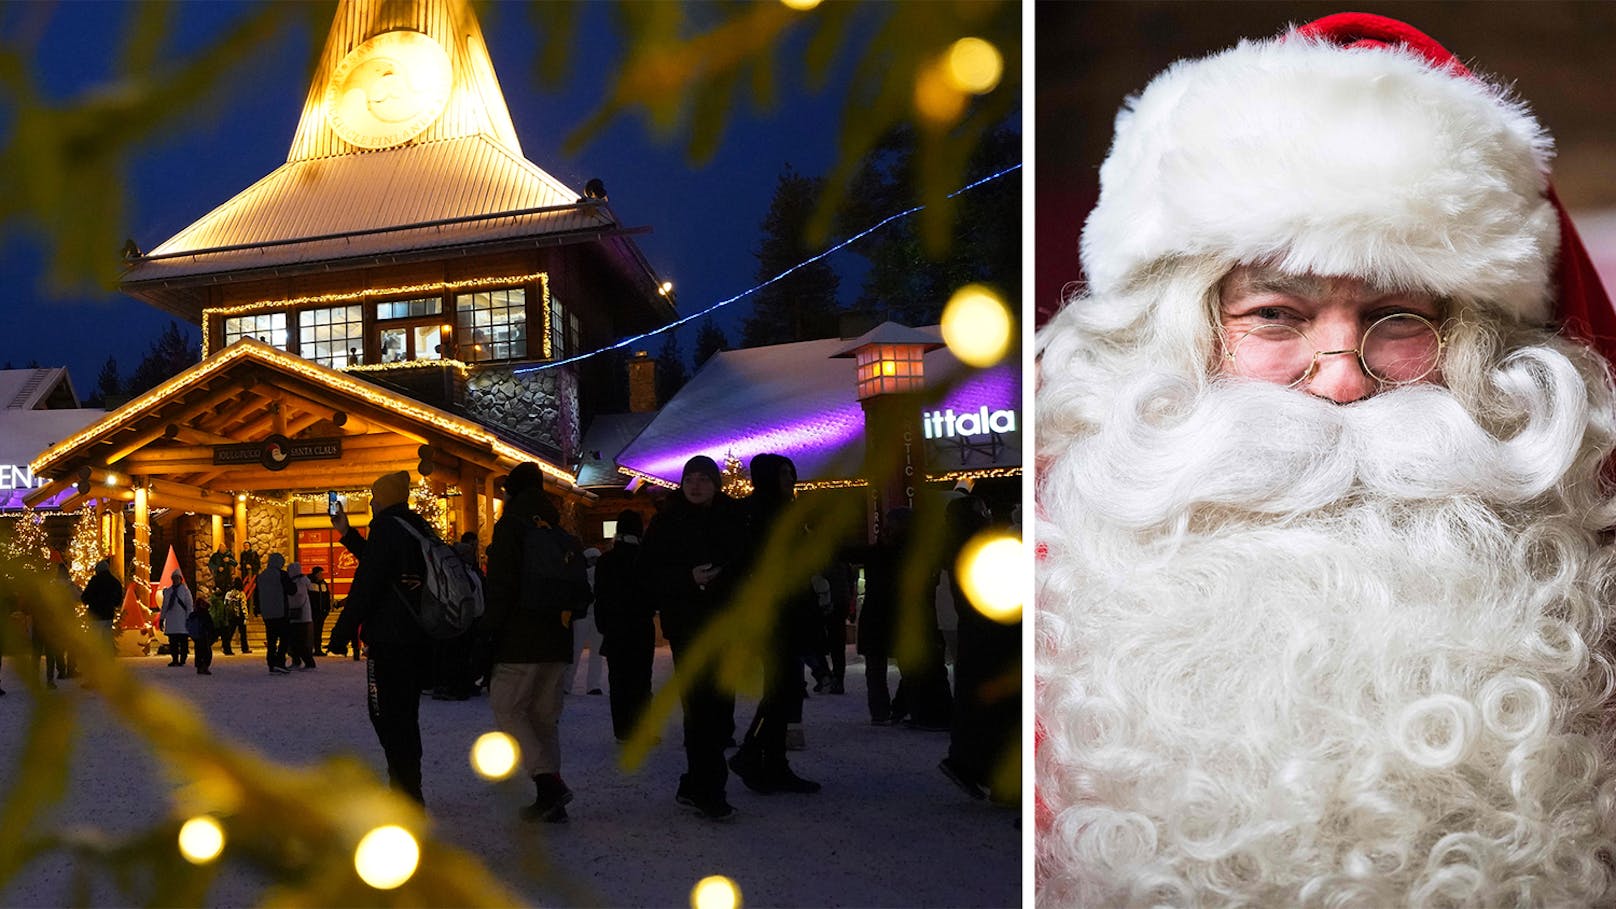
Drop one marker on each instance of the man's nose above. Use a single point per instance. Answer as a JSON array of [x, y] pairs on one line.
[[1339, 376]]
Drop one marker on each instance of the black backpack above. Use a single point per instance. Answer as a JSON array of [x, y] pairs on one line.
[[554, 574], [451, 591]]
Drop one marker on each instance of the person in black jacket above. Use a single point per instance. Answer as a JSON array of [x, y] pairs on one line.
[[761, 761], [528, 624], [390, 568], [691, 550], [102, 596], [623, 613]]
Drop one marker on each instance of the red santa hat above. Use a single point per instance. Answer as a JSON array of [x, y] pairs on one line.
[[1355, 145]]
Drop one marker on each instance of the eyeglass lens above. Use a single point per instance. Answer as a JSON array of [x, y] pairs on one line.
[[1395, 350]]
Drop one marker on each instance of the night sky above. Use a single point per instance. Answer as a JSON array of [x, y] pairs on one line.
[[704, 219]]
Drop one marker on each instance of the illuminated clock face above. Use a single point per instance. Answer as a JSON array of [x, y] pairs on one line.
[[388, 90]]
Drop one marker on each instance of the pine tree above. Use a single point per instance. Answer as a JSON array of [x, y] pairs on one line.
[[171, 354], [670, 366], [108, 385], [709, 340], [28, 550], [906, 284], [801, 306]]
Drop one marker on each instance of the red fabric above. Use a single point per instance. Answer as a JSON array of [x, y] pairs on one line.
[[1582, 305]]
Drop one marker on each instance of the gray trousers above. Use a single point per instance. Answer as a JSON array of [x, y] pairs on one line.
[[527, 700]]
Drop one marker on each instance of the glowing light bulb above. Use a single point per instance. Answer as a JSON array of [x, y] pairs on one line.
[[494, 756], [992, 573], [800, 5], [977, 326], [201, 840], [387, 857], [974, 65], [666, 288], [715, 892]]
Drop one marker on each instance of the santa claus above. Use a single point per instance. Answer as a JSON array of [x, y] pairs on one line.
[[1322, 619]]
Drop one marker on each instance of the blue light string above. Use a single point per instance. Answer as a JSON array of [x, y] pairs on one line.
[[746, 293]]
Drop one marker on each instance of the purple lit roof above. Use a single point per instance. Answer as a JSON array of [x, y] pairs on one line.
[[795, 400]]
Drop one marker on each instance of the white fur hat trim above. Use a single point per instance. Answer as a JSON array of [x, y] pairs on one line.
[[1365, 162]]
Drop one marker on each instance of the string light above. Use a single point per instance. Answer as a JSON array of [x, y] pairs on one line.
[[201, 840], [253, 349], [494, 756], [387, 857], [625, 342], [370, 293]]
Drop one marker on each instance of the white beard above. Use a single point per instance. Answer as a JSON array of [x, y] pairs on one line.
[[1292, 653]]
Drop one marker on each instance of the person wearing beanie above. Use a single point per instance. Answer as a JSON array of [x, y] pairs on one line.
[[625, 613], [760, 761], [527, 632], [690, 554], [1323, 580], [390, 562]]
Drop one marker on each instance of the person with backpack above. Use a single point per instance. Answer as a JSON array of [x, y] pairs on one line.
[[537, 586], [387, 583]]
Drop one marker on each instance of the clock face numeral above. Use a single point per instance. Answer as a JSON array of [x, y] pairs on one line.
[[389, 89]]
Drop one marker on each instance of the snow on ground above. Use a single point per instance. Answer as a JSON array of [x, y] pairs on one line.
[[887, 831]]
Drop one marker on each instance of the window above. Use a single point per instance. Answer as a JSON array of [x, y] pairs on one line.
[[492, 324], [411, 329], [566, 332], [269, 327], [333, 337]]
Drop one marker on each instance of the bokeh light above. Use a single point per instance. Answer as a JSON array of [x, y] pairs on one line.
[[974, 65], [387, 857], [801, 4], [494, 756], [977, 326], [992, 572], [936, 97], [715, 892], [201, 840]]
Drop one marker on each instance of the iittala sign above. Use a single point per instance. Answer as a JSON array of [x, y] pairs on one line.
[[946, 424], [17, 480]]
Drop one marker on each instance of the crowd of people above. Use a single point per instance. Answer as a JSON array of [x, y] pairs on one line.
[[546, 598]]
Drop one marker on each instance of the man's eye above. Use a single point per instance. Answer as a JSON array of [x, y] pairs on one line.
[[1270, 313]]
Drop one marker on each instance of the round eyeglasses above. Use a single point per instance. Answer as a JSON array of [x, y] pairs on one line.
[[1395, 350]]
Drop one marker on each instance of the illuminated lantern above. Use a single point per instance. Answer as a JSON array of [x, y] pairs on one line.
[[891, 374], [891, 359]]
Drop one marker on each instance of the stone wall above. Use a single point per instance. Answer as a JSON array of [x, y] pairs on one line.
[[542, 405], [267, 530]]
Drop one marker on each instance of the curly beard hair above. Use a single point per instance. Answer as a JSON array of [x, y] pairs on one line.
[[1293, 653]]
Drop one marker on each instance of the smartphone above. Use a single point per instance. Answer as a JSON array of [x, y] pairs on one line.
[[332, 506]]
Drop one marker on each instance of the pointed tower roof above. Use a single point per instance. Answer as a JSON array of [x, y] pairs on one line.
[[405, 148]]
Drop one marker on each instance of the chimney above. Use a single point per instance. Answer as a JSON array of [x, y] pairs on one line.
[[642, 396]]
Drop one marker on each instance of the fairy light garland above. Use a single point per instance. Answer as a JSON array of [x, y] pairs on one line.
[[371, 293], [625, 342]]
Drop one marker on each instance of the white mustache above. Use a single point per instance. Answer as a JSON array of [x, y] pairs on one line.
[[1165, 450]]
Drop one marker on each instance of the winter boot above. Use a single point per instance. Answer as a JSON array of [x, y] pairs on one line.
[[781, 778], [747, 763], [550, 801]]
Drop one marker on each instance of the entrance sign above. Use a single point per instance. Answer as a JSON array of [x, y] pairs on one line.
[[278, 452]]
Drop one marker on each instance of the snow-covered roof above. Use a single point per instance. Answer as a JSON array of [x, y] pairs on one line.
[[605, 437], [799, 400]]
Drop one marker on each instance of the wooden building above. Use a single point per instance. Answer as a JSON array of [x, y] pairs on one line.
[[402, 293]]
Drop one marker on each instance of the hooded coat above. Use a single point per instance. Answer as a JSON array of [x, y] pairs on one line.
[[273, 588]]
